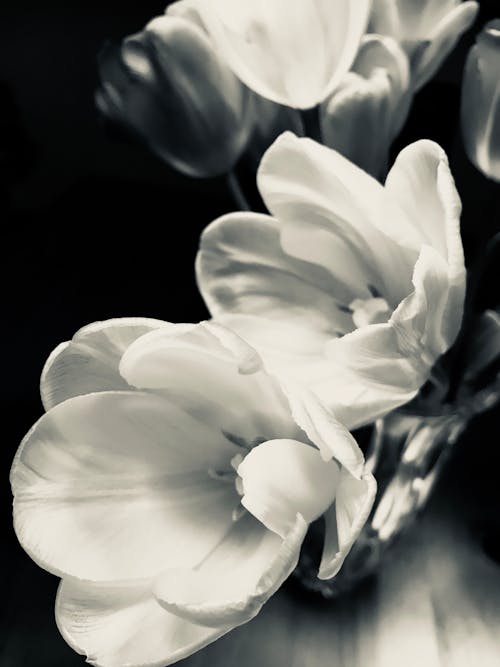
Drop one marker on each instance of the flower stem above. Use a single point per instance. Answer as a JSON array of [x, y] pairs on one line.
[[311, 123], [236, 192]]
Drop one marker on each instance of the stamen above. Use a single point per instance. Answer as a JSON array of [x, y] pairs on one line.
[[226, 476], [238, 513], [236, 440]]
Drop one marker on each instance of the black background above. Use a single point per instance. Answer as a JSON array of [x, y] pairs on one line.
[[94, 226]]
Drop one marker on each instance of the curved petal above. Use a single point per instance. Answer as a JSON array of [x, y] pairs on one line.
[[242, 268], [243, 572], [314, 192], [117, 625], [283, 478], [323, 429], [422, 183], [345, 519], [269, 45], [214, 374], [382, 366], [370, 375], [89, 361], [440, 41], [117, 485]]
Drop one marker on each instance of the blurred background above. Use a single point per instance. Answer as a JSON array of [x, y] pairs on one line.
[[95, 226]]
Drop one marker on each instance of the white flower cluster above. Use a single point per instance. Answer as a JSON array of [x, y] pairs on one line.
[[174, 475]]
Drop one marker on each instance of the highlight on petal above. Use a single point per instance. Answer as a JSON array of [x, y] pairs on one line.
[[242, 268], [314, 192], [116, 485], [480, 102], [241, 574], [367, 110], [421, 181], [89, 361], [292, 53], [283, 478], [122, 624], [345, 520], [211, 372]]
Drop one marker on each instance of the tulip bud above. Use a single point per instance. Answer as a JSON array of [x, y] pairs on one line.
[[168, 84], [480, 109], [428, 30], [368, 109]]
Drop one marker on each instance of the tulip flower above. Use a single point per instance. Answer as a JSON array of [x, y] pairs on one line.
[[480, 109], [367, 110], [169, 85], [293, 53], [171, 487], [350, 287], [427, 30]]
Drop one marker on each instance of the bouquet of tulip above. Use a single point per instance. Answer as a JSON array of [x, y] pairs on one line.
[[181, 472]]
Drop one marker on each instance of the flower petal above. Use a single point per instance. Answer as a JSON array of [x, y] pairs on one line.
[[314, 192], [345, 520], [117, 625], [480, 102], [382, 366], [213, 373], [89, 361], [368, 108], [440, 41], [231, 586], [268, 45], [283, 478], [241, 268], [371, 375], [323, 429], [421, 181], [116, 485]]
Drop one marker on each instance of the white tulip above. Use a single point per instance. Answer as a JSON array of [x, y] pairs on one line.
[[427, 29], [173, 493], [350, 287], [293, 53]]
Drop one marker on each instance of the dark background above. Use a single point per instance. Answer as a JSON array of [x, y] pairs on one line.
[[95, 226]]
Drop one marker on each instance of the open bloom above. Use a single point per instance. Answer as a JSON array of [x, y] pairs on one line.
[[168, 84], [173, 493], [367, 110], [350, 287], [293, 53], [480, 109], [428, 30]]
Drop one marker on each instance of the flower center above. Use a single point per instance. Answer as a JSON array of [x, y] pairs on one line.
[[375, 310]]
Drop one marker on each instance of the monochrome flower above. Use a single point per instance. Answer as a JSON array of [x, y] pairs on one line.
[[368, 108], [169, 85], [350, 287], [291, 53], [173, 493], [480, 108], [427, 30]]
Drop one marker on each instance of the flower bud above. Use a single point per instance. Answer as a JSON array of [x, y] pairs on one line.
[[428, 30], [367, 110], [168, 84], [480, 108]]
